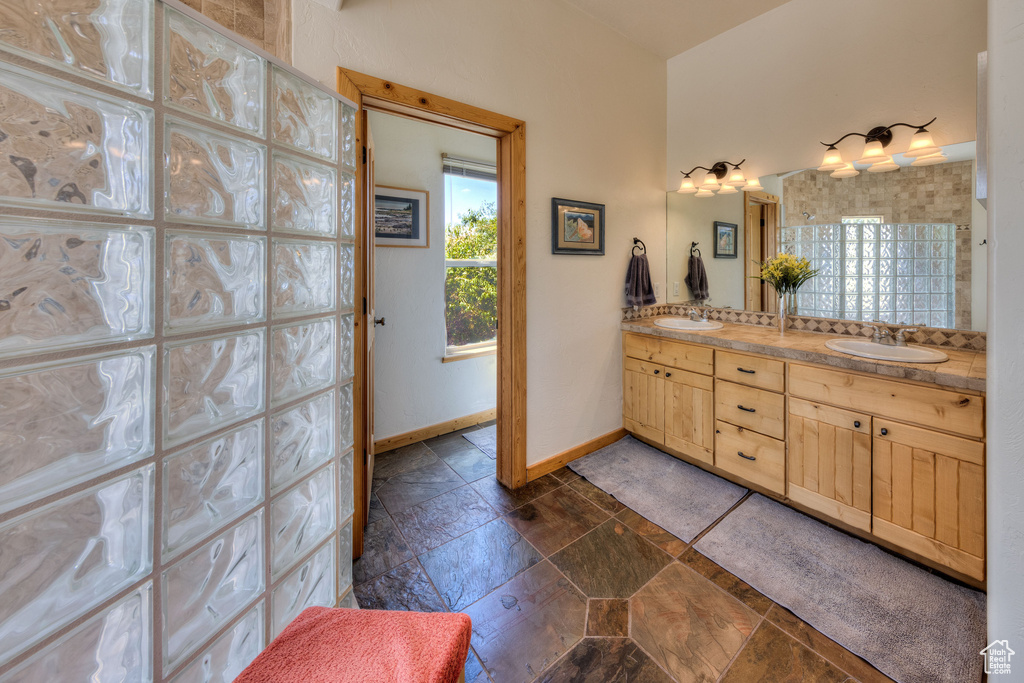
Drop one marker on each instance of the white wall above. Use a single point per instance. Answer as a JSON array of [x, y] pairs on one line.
[[810, 70], [412, 387], [692, 219], [1005, 453], [594, 107]]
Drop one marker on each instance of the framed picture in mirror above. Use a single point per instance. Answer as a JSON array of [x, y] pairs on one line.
[[725, 240]]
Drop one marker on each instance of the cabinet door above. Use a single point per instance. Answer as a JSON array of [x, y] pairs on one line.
[[929, 494], [690, 414], [830, 461], [643, 399]]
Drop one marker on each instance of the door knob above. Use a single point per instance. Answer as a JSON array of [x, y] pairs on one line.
[[379, 321]]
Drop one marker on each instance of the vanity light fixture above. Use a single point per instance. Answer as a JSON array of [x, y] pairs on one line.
[[718, 178], [922, 148]]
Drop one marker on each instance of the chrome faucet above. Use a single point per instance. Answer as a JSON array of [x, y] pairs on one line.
[[881, 336], [696, 314], [901, 335]]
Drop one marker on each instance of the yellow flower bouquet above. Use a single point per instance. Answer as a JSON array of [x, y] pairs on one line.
[[785, 273]]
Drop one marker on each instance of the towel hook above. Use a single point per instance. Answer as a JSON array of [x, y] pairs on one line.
[[637, 242], [693, 248]]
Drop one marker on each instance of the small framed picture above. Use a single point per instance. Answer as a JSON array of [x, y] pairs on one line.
[[725, 240], [401, 217], [577, 227]]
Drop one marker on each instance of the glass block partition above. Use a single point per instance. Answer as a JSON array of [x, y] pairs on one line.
[[176, 319], [895, 273]]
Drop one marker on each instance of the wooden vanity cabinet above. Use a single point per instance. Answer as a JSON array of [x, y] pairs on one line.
[[643, 398], [690, 414]]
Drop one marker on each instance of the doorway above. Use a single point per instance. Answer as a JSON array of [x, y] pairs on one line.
[[761, 232], [375, 94]]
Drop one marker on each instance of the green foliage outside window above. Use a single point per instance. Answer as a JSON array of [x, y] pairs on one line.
[[471, 293]]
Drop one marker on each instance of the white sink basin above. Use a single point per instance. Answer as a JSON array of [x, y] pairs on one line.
[[901, 354], [687, 324]]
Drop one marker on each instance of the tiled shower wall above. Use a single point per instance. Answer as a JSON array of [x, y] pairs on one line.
[[176, 321]]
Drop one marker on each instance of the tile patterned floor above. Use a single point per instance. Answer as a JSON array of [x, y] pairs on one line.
[[564, 583]]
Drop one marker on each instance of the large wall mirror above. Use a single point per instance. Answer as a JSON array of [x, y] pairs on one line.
[[902, 247]]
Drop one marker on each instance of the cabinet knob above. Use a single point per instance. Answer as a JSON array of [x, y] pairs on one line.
[[656, 372], [749, 372], [884, 431], [856, 424], [668, 374], [746, 457], [747, 410]]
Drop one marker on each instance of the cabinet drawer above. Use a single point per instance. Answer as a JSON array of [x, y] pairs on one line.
[[643, 367], [948, 411], [754, 457], [756, 409], [755, 371], [667, 352]]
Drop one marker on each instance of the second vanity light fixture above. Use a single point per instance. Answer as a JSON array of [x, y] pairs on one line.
[[714, 175], [922, 149]]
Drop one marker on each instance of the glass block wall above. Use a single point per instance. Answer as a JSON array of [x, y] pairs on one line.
[[176, 320], [895, 273]]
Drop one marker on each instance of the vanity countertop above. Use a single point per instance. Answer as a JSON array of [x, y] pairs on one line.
[[963, 370]]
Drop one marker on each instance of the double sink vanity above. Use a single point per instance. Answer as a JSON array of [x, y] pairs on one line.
[[893, 451]]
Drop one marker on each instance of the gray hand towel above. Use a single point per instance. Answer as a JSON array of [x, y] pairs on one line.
[[639, 291], [697, 278]]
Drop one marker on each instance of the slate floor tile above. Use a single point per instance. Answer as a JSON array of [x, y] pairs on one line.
[[652, 532], [383, 549], [555, 519], [771, 656], [474, 671], [404, 588], [474, 564], [415, 486], [436, 521], [471, 463], [523, 627], [726, 581], [603, 500], [564, 474], [404, 459], [377, 511], [612, 561], [505, 500], [688, 625], [606, 660], [608, 617]]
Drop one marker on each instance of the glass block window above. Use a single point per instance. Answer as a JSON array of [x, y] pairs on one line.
[[872, 271], [177, 257]]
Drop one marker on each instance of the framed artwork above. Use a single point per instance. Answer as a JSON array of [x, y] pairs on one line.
[[400, 217], [725, 240], [577, 227]]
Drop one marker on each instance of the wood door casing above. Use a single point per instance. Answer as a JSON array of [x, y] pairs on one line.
[[690, 414], [929, 494], [830, 461]]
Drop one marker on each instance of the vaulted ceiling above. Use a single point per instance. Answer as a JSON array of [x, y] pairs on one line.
[[670, 27]]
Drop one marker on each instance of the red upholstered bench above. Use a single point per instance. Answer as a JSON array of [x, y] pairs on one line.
[[325, 645]]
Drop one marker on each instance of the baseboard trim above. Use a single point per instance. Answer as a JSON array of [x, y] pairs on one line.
[[555, 462], [399, 440]]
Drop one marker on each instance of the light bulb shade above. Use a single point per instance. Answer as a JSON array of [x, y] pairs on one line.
[[686, 186], [929, 160], [872, 152], [883, 165], [728, 189], [704, 192], [735, 178], [847, 171], [753, 185], [710, 181], [832, 161], [921, 145]]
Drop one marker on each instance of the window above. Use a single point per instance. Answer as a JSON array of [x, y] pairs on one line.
[[471, 256], [869, 270]]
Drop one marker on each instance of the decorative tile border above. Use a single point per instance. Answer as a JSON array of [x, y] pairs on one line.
[[968, 340]]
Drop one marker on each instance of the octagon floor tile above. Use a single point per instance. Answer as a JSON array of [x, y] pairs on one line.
[[523, 627], [383, 549], [506, 500], [612, 561], [471, 566], [404, 588], [771, 656], [726, 581], [690, 626], [652, 532], [555, 519], [471, 463], [601, 499], [606, 660], [436, 521], [430, 479]]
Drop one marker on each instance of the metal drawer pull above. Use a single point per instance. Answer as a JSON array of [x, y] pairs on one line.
[[749, 372], [747, 410], [746, 457], [856, 424]]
